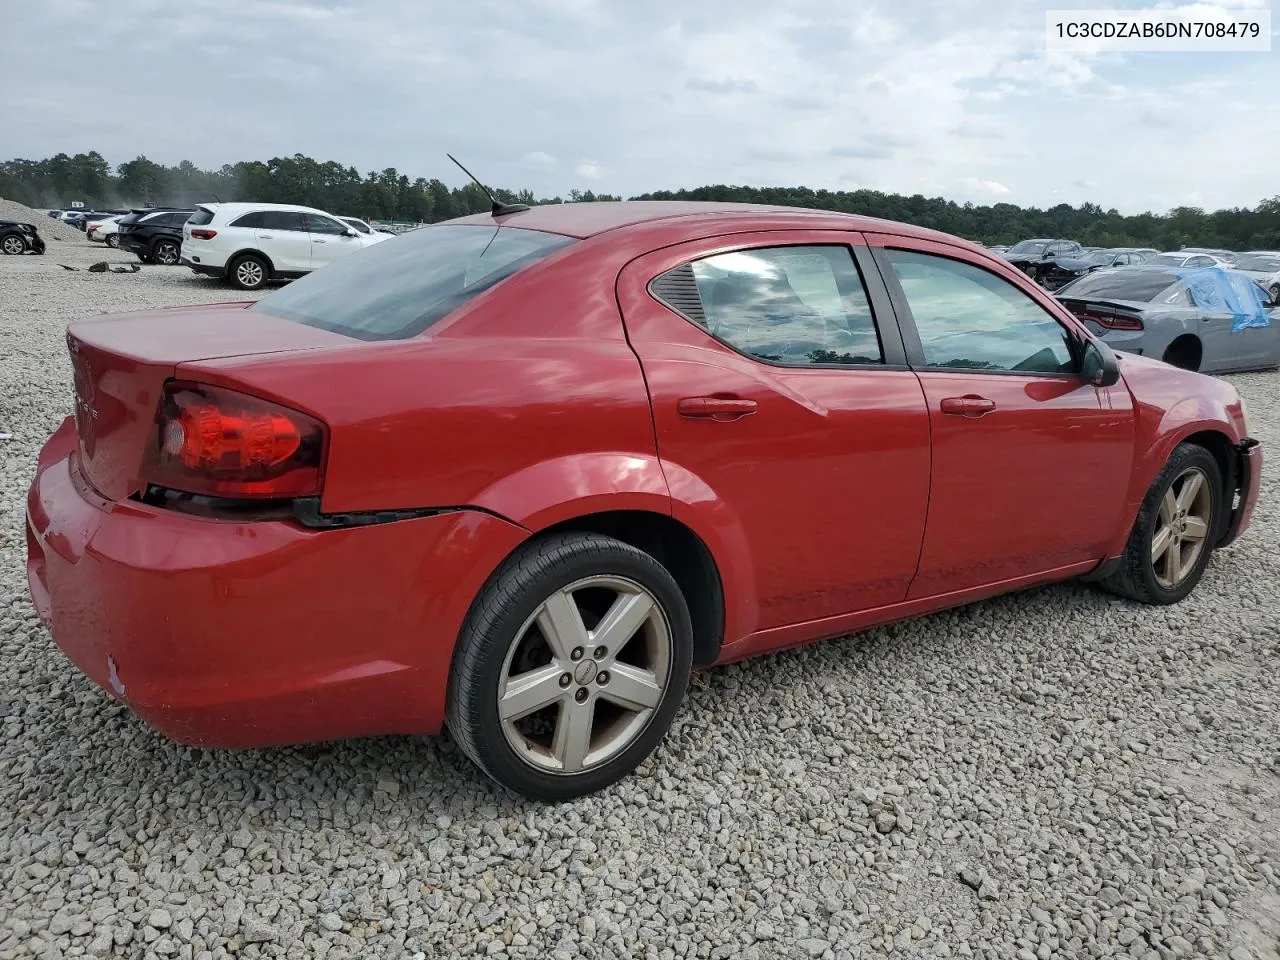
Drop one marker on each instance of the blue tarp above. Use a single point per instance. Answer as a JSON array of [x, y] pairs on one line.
[[1213, 288]]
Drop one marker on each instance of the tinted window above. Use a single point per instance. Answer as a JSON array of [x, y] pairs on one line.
[[793, 305], [319, 224], [1139, 284], [1028, 248], [399, 288], [356, 225], [970, 319], [254, 220], [201, 217], [176, 219], [281, 220]]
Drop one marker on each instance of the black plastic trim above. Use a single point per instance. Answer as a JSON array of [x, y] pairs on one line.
[[306, 510]]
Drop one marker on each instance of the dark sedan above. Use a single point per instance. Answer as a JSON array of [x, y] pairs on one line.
[[18, 238]]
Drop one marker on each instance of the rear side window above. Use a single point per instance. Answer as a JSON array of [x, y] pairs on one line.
[[251, 220], [201, 217], [282, 220], [397, 289], [176, 219], [799, 306]]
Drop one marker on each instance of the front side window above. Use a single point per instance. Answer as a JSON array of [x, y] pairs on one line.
[[970, 319], [357, 225], [800, 306], [319, 224]]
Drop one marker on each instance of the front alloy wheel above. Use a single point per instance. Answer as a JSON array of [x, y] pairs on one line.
[[570, 666], [1186, 510], [13, 245]]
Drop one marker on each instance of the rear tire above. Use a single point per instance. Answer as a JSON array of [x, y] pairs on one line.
[[166, 252], [248, 272], [111, 241], [1176, 529], [570, 666]]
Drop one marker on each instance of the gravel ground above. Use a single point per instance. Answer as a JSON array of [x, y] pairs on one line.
[[50, 229], [1053, 774]]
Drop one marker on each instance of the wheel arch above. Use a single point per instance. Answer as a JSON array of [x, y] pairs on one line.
[[684, 554], [253, 252], [1185, 341]]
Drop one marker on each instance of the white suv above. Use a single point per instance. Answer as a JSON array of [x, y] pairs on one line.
[[248, 244]]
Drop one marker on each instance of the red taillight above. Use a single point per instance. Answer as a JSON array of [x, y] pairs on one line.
[[203, 234], [1114, 321], [218, 442]]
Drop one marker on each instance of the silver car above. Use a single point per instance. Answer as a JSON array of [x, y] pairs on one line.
[[1212, 320], [1264, 267]]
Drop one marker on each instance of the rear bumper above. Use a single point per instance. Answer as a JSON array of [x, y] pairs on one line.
[[246, 634], [204, 268], [1248, 481]]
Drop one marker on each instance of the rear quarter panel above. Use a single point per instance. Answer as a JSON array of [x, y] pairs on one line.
[[527, 402]]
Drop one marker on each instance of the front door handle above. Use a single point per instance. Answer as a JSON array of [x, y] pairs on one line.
[[715, 408], [318, 240], [266, 236], [970, 405]]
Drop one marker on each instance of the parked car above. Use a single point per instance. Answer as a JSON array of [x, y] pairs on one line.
[[369, 231], [1264, 267], [105, 230], [1062, 270], [1037, 258], [519, 473], [1189, 259], [249, 244], [998, 247], [154, 235], [1226, 256], [1212, 321], [18, 237]]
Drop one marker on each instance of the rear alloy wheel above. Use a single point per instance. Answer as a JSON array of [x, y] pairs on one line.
[[248, 272], [12, 245], [111, 241], [1176, 529], [166, 253], [570, 667]]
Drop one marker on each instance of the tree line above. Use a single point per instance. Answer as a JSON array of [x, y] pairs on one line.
[[390, 195]]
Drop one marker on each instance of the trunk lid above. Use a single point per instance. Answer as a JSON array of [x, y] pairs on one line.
[[120, 364], [1101, 314]]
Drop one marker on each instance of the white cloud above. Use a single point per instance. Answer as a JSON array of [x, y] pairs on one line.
[[538, 160], [947, 97]]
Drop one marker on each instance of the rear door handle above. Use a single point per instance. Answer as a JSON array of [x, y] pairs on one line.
[[715, 408], [970, 405]]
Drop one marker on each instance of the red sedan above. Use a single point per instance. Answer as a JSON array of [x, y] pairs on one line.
[[518, 474]]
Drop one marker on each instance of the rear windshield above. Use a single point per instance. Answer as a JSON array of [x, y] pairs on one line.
[[398, 288], [1129, 283], [200, 217]]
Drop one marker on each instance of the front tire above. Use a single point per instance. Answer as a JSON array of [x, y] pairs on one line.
[[1176, 529], [12, 245], [570, 667], [248, 272]]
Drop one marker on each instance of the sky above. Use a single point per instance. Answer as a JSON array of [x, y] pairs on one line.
[[952, 98]]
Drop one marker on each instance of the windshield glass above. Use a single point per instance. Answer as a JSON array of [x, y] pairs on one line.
[[1169, 260], [1259, 262], [398, 288], [1028, 247], [1134, 284]]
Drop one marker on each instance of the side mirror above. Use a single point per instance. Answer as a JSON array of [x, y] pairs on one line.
[[350, 232], [1099, 365]]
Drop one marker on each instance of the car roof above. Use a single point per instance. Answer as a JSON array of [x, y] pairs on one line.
[[243, 207], [589, 219]]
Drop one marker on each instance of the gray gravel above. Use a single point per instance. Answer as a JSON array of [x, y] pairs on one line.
[[1055, 774], [56, 233]]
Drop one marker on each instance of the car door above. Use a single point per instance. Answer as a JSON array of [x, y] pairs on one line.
[[284, 239], [1253, 331], [785, 417], [1031, 464], [330, 239]]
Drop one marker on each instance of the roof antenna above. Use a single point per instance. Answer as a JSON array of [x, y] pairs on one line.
[[499, 209]]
